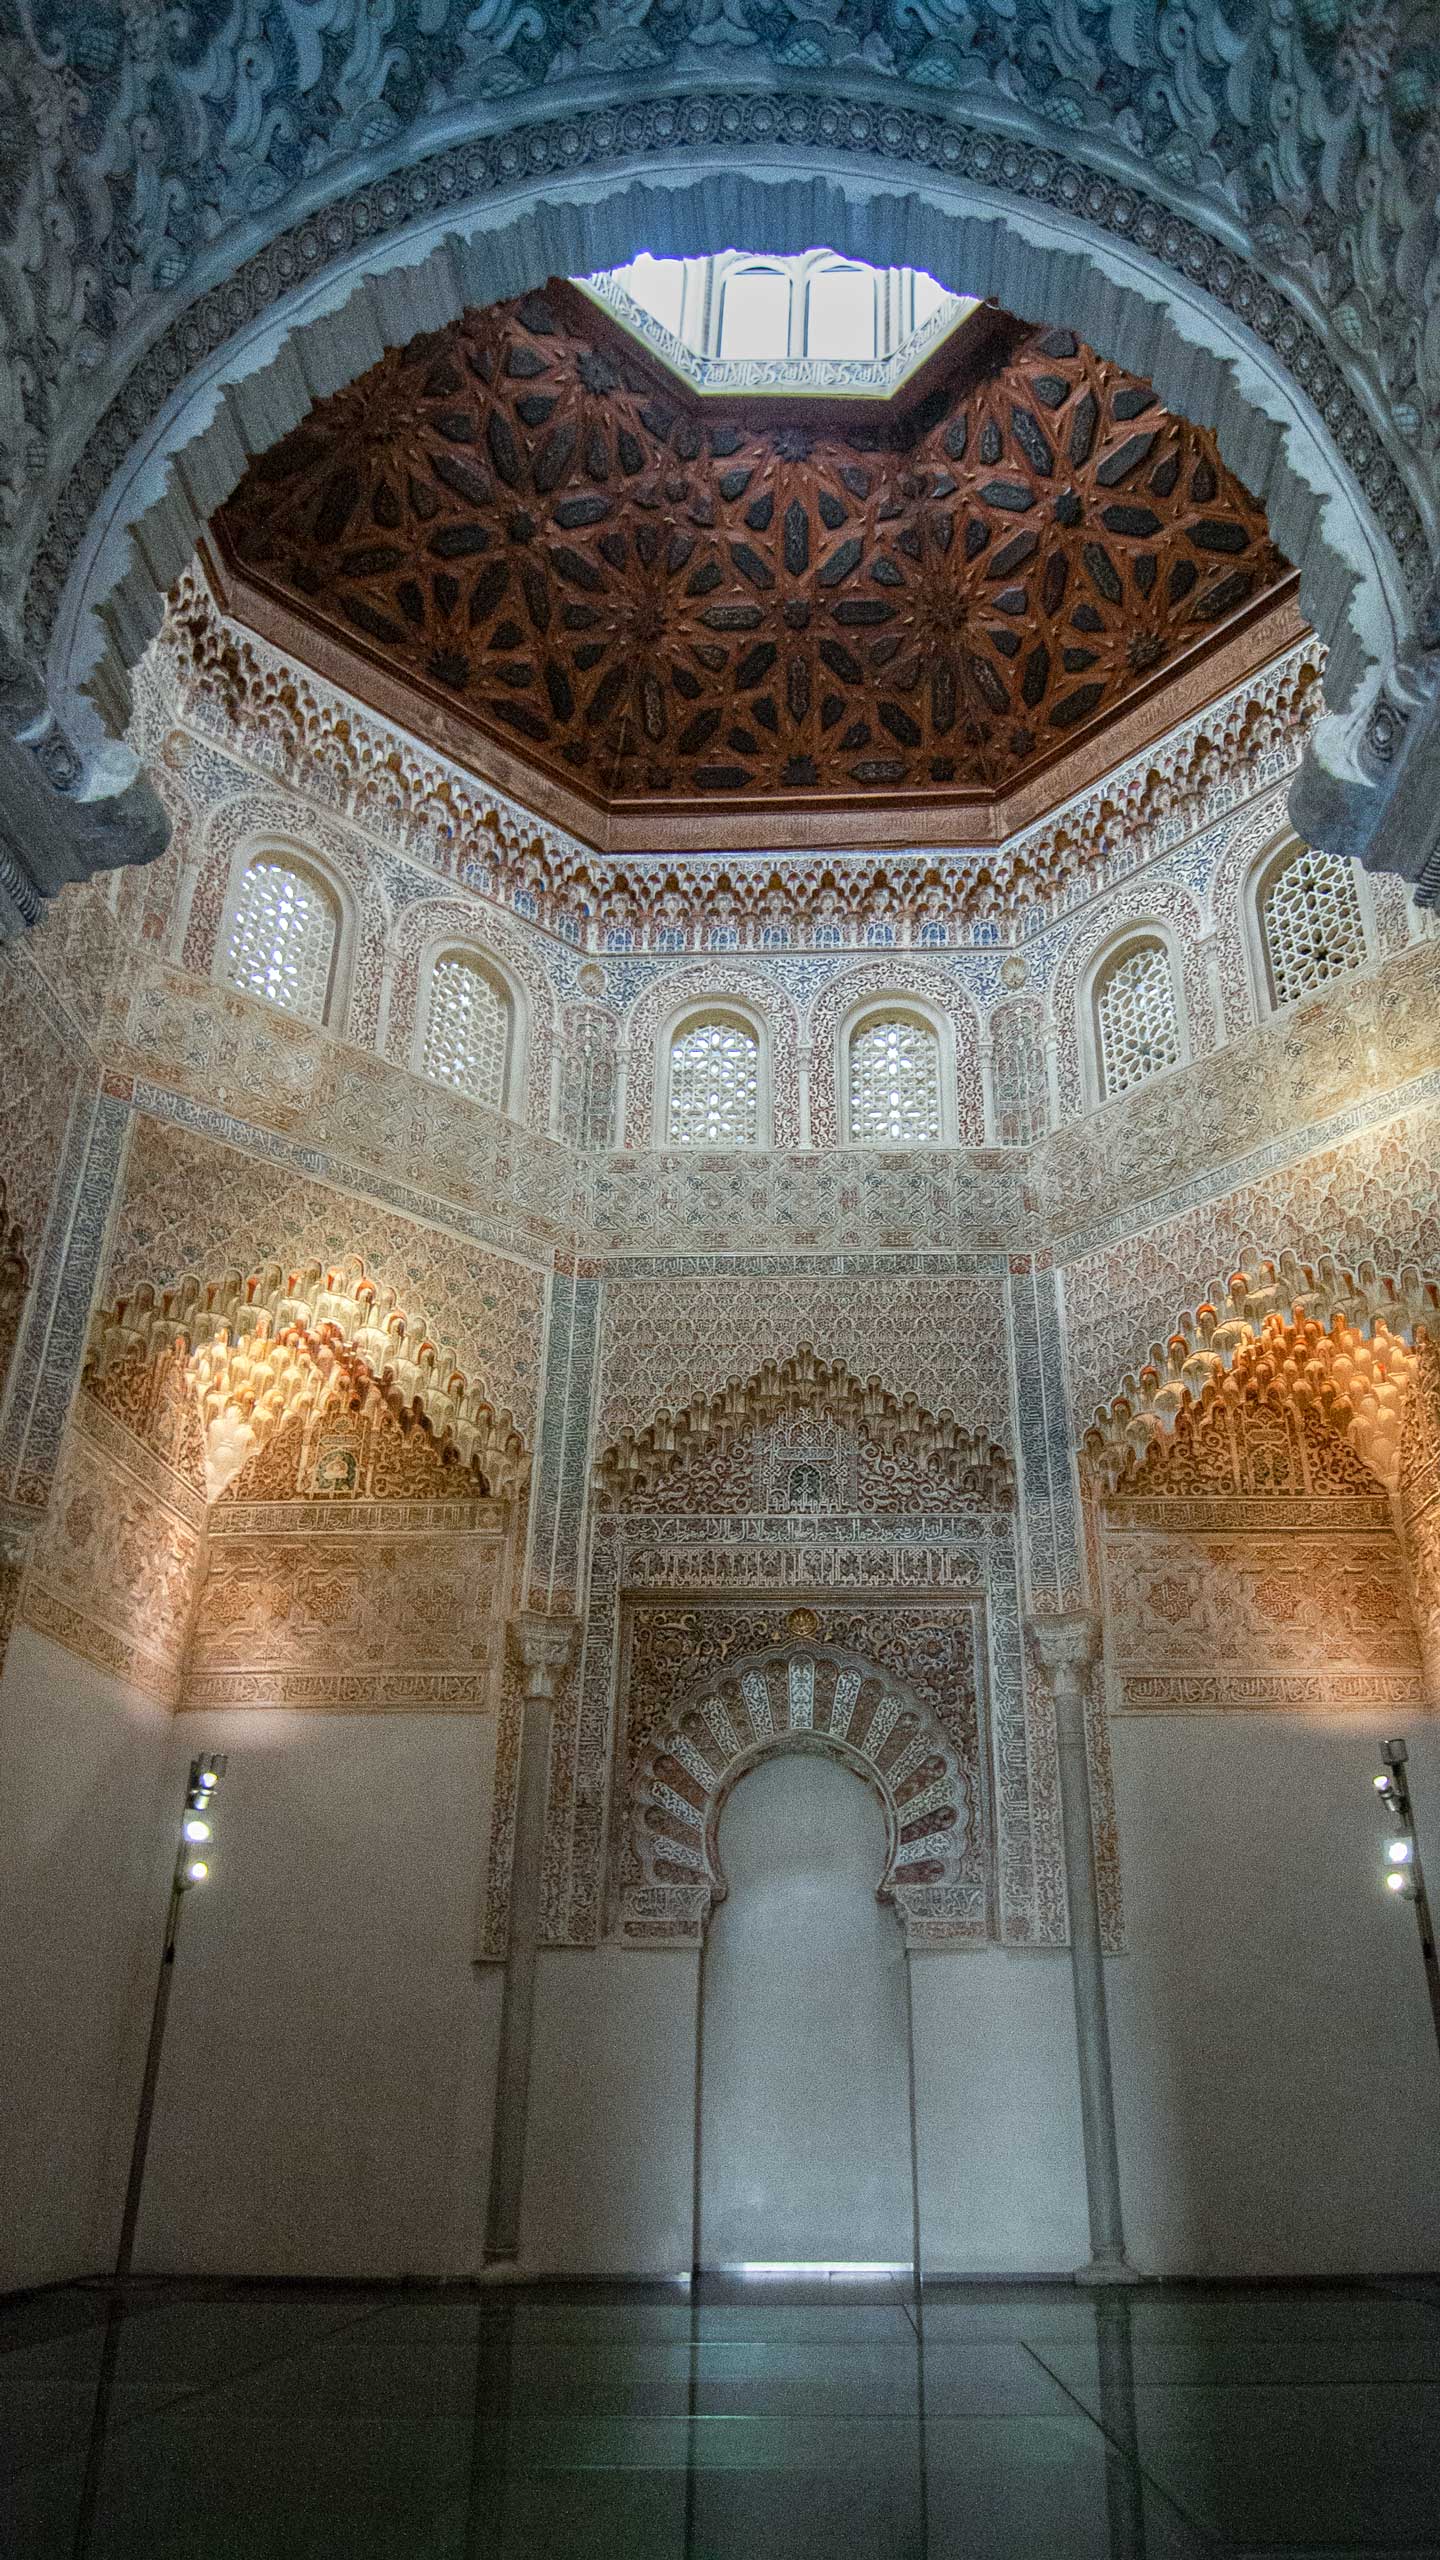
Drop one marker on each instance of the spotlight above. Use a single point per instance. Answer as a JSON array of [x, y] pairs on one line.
[[196, 1871], [194, 1828], [1404, 1873]]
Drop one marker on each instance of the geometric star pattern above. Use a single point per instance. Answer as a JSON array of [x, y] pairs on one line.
[[672, 603]]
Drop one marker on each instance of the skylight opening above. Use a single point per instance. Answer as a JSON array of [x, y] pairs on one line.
[[745, 320]]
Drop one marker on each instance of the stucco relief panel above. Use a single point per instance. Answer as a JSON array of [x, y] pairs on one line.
[[192, 1207], [1200, 1618], [399, 1612], [941, 1339], [117, 1564]]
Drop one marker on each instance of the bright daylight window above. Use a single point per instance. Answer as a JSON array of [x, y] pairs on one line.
[[282, 940], [467, 1031], [755, 313], [895, 1084], [1135, 1018], [738, 320], [714, 1086]]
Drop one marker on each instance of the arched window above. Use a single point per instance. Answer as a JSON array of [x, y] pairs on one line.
[[467, 1030], [1311, 927], [1017, 1067], [894, 1082], [840, 310], [283, 937], [714, 1093], [1137, 1030], [755, 312]]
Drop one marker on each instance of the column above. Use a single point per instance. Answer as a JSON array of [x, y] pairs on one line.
[[1418, 1507], [1066, 1647], [543, 1647]]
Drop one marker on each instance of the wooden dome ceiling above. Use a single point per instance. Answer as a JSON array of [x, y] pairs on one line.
[[665, 622]]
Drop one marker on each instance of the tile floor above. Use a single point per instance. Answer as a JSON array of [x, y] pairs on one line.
[[838, 2419]]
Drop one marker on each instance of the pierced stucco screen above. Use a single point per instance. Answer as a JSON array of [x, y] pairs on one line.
[[1311, 921], [282, 939], [467, 1031], [714, 1086], [895, 1084], [1135, 1018]]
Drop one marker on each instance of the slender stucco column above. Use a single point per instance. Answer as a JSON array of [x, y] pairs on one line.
[[1067, 1646], [543, 1647]]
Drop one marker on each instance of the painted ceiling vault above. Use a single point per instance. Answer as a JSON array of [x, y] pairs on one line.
[[667, 621]]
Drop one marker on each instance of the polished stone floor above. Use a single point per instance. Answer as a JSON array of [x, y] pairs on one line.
[[839, 2418]]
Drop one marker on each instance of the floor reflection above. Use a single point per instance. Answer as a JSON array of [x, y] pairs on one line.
[[847, 2417]]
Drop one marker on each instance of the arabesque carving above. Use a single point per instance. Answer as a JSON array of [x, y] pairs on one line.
[[247, 693], [1335, 1342], [264, 1349], [970, 1466], [802, 1700]]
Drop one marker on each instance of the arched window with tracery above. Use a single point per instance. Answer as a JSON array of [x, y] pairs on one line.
[[894, 1083], [713, 1097], [1311, 925], [468, 1023], [1137, 1027], [283, 936], [1018, 1077]]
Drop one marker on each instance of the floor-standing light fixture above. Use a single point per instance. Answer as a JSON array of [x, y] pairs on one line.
[[192, 1866], [1403, 1872]]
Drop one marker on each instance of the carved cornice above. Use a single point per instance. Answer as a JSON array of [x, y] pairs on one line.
[[246, 695]]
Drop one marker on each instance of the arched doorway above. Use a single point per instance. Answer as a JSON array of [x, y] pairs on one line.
[[804, 2137]]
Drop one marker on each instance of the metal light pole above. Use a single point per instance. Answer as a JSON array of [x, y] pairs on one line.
[[191, 1868], [1405, 1875]]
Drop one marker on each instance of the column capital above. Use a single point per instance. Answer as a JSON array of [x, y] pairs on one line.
[[544, 1647], [1066, 1644]]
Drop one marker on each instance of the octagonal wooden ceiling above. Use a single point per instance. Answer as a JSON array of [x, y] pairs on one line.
[[666, 624]]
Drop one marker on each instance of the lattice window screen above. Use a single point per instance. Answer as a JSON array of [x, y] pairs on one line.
[[282, 941], [1310, 918], [895, 1083], [1135, 1017], [714, 1087], [467, 1031], [1018, 1072]]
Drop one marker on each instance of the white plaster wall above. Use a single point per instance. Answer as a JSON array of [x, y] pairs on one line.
[[610, 2138], [80, 1764], [805, 2106], [997, 2114], [1277, 2086], [327, 2094]]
